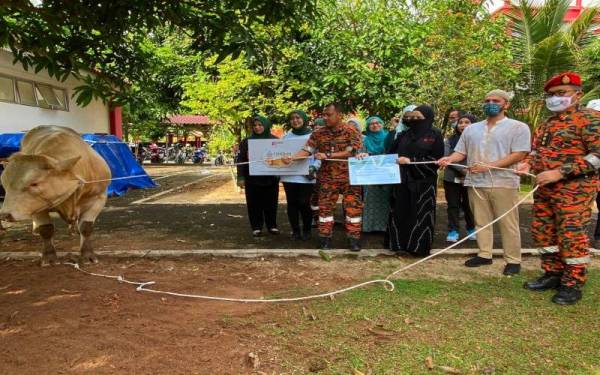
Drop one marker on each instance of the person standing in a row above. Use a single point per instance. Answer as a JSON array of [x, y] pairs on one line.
[[333, 144], [500, 142], [262, 192], [457, 195], [412, 217], [298, 189], [375, 197], [565, 158]]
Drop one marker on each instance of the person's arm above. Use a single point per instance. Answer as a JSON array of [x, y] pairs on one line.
[[454, 158], [243, 170], [459, 154], [580, 165], [590, 162]]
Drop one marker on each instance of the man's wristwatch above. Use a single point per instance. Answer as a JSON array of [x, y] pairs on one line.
[[566, 170], [328, 154]]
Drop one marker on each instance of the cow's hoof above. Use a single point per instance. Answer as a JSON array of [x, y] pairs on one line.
[[87, 258], [49, 260]]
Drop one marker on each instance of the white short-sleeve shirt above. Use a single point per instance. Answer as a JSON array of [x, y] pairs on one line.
[[484, 144]]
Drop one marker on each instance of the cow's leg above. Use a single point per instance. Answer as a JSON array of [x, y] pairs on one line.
[[43, 226], [86, 227]]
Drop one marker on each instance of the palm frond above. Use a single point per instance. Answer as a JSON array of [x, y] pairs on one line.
[[583, 31]]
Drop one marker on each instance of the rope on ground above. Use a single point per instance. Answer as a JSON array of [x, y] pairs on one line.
[[389, 285]]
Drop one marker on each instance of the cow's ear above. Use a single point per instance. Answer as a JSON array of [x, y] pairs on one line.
[[67, 164]]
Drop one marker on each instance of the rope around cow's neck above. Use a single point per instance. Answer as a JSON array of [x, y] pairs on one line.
[[142, 285]]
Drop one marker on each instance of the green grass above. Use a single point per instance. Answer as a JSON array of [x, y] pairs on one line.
[[490, 326]]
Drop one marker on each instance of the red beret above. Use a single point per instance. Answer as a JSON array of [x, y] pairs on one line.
[[567, 78]]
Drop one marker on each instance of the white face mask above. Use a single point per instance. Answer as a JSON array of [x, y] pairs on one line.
[[558, 103]]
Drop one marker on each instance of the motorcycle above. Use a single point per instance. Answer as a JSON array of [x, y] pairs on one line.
[[157, 154], [219, 159], [198, 157]]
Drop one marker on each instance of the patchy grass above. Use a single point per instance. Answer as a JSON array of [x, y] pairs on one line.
[[485, 327]]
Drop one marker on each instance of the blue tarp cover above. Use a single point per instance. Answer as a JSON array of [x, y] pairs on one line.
[[117, 154]]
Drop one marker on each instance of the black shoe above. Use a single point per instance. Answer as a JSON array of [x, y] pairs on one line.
[[257, 233], [548, 281], [567, 295], [274, 231], [511, 269], [478, 261], [306, 235], [354, 244], [325, 243], [296, 236]]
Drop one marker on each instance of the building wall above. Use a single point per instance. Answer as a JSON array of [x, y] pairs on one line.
[[94, 118]]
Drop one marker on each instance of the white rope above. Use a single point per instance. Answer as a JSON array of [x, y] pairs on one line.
[[112, 179], [389, 286], [141, 287]]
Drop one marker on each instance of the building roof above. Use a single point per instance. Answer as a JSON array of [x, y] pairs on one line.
[[188, 120]]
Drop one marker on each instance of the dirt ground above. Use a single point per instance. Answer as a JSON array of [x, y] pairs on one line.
[[57, 320]]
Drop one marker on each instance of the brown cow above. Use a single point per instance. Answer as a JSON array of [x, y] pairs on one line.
[[55, 172]]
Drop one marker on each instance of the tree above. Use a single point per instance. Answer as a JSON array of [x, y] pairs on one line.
[[543, 46], [381, 55], [230, 92], [108, 36]]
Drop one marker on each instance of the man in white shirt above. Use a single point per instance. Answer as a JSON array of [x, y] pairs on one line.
[[498, 142]]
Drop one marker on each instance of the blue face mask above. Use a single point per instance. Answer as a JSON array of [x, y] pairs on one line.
[[492, 109]]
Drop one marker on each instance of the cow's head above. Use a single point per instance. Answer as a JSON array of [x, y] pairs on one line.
[[36, 183]]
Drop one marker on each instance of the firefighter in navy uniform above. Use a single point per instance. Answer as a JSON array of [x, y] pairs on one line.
[[336, 140], [565, 157]]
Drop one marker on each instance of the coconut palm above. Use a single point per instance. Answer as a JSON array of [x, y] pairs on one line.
[[543, 45]]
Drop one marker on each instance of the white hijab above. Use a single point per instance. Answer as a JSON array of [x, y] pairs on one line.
[[401, 127]]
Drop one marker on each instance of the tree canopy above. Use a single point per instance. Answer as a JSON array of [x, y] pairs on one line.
[[109, 36]]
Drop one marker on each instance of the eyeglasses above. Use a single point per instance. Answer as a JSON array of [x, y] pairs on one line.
[[558, 93]]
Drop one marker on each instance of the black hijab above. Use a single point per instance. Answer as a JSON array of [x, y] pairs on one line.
[[418, 127]]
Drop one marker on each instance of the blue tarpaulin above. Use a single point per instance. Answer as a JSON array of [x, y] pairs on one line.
[[117, 155]]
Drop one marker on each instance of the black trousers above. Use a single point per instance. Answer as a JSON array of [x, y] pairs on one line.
[[458, 198], [298, 205], [262, 205]]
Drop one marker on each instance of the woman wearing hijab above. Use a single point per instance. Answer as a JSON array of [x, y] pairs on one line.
[[456, 193], [298, 189], [356, 123], [262, 192], [400, 127], [375, 197], [412, 215]]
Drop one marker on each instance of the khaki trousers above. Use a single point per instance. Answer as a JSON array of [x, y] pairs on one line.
[[489, 203]]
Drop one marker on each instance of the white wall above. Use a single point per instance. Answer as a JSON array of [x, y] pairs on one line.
[[17, 117]]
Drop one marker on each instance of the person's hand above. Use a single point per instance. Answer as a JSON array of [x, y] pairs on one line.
[[479, 168], [362, 155], [287, 160], [403, 160], [523, 169], [549, 177], [241, 184], [320, 156], [443, 162]]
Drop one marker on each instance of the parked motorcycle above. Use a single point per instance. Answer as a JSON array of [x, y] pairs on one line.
[[157, 154], [220, 159], [198, 157]]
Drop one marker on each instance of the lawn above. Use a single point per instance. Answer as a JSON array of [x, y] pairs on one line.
[[436, 326]]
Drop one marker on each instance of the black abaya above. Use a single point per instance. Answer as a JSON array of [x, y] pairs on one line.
[[412, 217]]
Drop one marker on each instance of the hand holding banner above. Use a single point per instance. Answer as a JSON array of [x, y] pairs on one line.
[[266, 154], [374, 170]]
